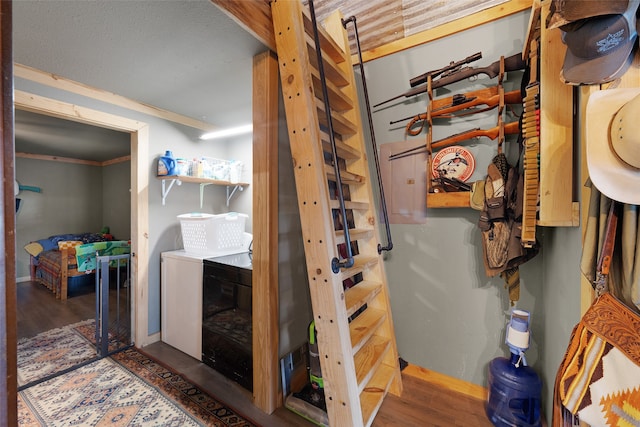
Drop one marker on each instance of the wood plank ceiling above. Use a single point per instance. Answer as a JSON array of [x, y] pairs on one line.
[[384, 26], [384, 21]]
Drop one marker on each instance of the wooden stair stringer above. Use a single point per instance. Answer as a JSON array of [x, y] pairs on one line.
[[356, 341]]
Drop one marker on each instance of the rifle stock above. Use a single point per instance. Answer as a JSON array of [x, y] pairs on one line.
[[511, 63], [511, 128], [445, 106]]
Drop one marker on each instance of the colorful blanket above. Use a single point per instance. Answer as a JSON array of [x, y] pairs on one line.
[[86, 254], [48, 271], [52, 242]]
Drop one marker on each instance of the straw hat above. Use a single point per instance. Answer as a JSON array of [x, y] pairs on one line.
[[613, 143]]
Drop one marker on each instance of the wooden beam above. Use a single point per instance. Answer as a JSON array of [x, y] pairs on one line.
[[72, 160], [266, 320], [58, 82], [252, 15], [556, 133]]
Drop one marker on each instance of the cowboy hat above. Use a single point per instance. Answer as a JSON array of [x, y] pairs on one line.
[[613, 143]]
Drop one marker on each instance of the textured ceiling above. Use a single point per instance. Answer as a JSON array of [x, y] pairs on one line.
[[187, 57]]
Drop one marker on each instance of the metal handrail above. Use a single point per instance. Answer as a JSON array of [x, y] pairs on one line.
[[383, 203], [102, 320], [336, 263]]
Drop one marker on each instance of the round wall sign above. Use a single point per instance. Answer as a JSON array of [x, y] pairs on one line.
[[453, 162]]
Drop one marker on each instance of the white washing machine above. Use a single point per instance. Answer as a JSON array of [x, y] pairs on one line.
[[181, 301]]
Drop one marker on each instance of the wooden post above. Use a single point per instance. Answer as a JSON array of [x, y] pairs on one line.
[[266, 325]]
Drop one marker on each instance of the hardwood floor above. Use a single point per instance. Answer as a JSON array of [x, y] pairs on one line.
[[39, 311], [426, 401], [429, 399]]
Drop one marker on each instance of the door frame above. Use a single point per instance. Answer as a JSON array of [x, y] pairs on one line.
[[139, 132]]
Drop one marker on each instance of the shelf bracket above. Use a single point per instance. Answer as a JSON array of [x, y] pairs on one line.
[[230, 194], [166, 190], [231, 189], [202, 185]]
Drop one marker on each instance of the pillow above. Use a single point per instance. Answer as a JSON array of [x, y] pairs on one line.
[[48, 244], [33, 248]]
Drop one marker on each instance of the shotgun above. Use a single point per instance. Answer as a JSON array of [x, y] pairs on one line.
[[509, 129], [444, 107], [512, 63]]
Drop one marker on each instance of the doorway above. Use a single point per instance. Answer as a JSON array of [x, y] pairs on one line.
[[139, 140], [77, 180]]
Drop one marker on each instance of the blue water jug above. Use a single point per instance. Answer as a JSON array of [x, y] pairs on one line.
[[514, 394], [167, 164]]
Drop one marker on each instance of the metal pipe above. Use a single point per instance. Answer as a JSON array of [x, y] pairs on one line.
[[336, 263], [383, 203]]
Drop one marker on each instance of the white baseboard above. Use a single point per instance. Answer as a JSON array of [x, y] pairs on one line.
[[152, 338], [23, 279]]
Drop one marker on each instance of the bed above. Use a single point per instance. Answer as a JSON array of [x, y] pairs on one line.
[[65, 264]]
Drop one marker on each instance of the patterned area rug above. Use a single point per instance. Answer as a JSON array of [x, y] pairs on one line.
[[54, 351], [127, 389]]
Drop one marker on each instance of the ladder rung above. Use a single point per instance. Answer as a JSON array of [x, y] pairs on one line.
[[347, 177], [343, 150], [360, 263], [360, 294], [328, 45], [331, 69], [338, 100], [373, 394], [364, 326], [354, 234], [341, 125], [369, 358], [359, 206]]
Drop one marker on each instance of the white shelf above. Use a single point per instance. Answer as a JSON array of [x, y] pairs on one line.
[[178, 179]]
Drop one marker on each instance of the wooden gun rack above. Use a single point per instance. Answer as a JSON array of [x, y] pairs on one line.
[[456, 198]]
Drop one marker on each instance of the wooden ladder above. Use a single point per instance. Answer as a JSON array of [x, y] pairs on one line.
[[351, 310]]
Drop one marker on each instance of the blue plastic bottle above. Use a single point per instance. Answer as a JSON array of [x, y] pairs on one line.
[[514, 394], [514, 388], [167, 164]]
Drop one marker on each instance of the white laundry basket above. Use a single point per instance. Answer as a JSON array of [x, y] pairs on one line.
[[213, 234]]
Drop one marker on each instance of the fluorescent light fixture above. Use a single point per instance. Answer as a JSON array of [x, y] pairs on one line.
[[228, 132]]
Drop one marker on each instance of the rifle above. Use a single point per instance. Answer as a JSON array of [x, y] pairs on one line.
[[511, 63], [453, 67], [509, 129], [445, 106]]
